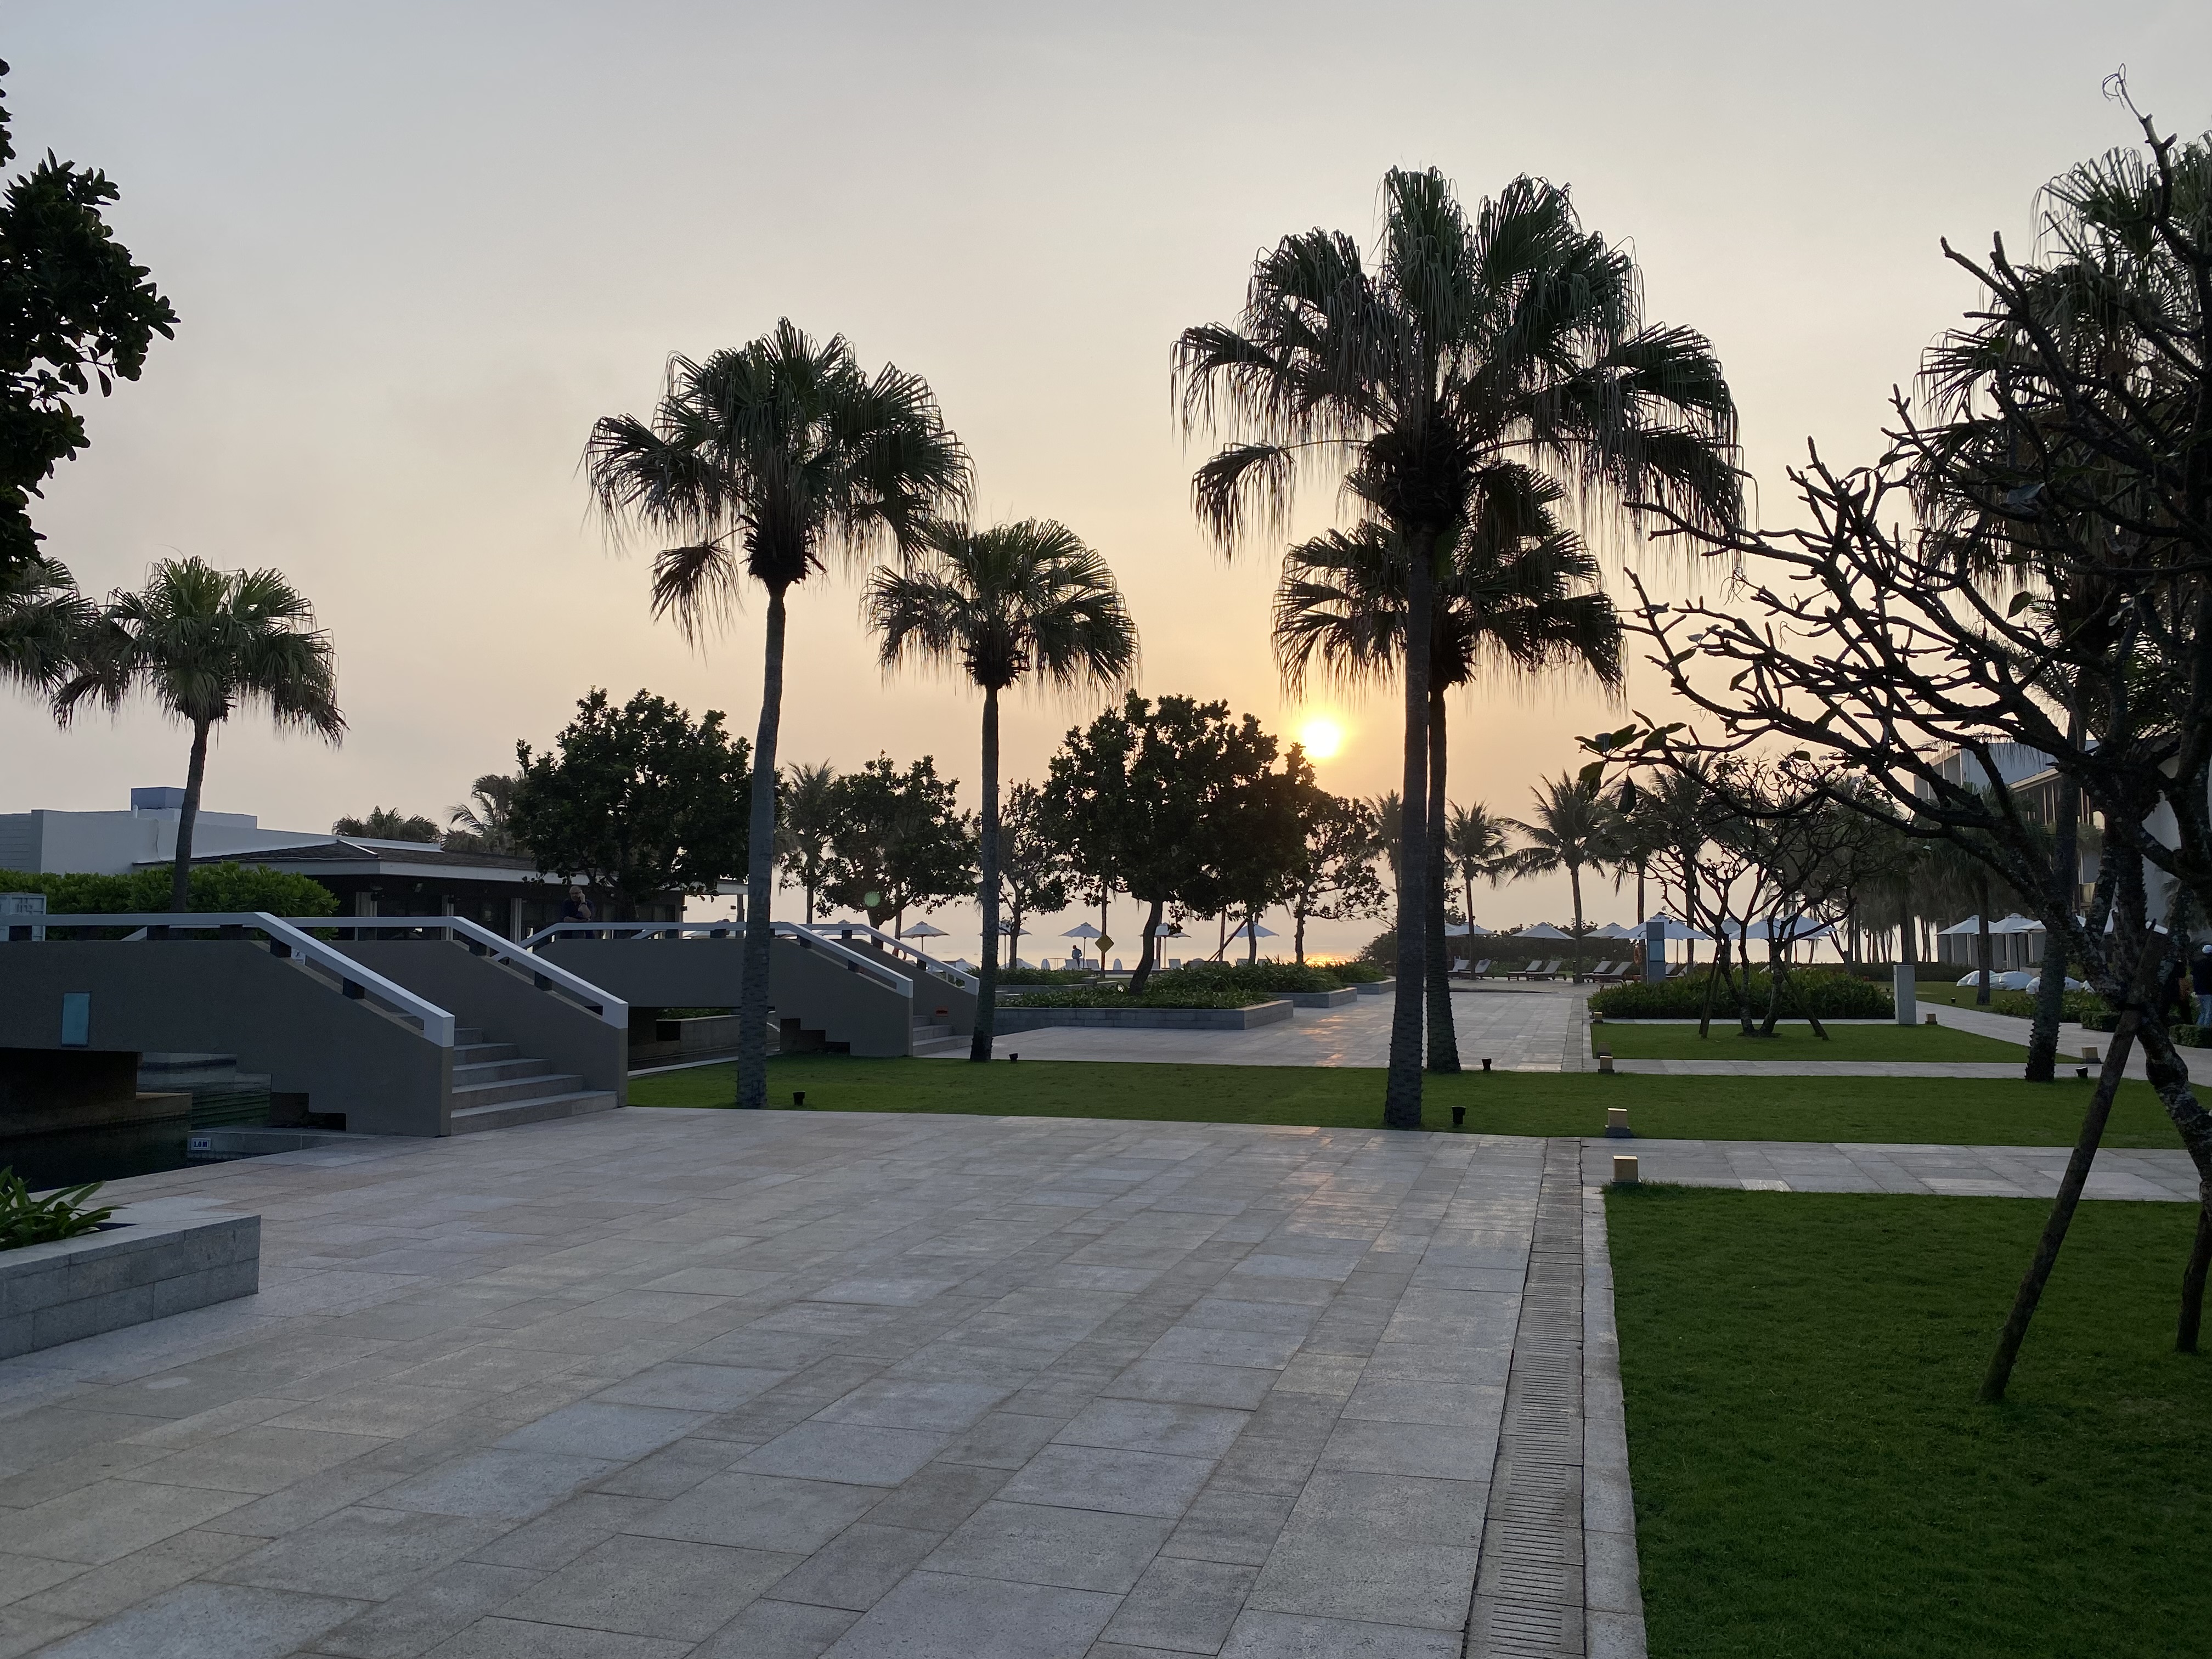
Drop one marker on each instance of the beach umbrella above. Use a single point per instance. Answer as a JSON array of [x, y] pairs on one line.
[[1543, 930], [1464, 929], [1081, 930], [923, 930], [1246, 928], [1614, 930], [1676, 931]]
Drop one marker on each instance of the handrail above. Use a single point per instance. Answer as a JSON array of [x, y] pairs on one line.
[[807, 938], [633, 930], [286, 939], [546, 975], [930, 964]]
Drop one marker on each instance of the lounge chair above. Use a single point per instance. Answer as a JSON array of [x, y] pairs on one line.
[[1547, 970]]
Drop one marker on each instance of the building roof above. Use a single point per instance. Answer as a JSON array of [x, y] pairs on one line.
[[356, 855]]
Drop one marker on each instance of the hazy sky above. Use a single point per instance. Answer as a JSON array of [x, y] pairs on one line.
[[417, 248]]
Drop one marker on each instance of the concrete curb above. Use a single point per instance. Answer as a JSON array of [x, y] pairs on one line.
[[1612, 1584], [1013, 1018]]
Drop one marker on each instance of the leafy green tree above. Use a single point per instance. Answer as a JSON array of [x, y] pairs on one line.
[[388, 824], [1517, 593], [73, 310], [203, 643], [1022, 601], [806, 818], [638, 799], [900, 840], [1574, 830], [1334, 878], [761, 463], [1514, 334], [1254, 847], [214, 887], [1033, 867], [485, 822], [1147, 795]]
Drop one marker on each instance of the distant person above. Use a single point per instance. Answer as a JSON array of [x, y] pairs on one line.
[[575, 907], [2200, 982]]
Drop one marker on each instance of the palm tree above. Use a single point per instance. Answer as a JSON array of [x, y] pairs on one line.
[[1513, 335], [1518, 593], [43, 617], [758, 462], [995, 606], [1574, 831], [806, 822], [203, 643], [387, 824], [484, 822], [1475, 842]]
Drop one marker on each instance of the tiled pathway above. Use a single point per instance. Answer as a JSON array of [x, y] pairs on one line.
[[767, 1385]]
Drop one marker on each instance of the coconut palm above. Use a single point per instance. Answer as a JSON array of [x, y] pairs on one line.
[[1517, 594], [805, 825], [760, 462], [485, 822], [1573, 830], [1475, 842], [996, 606], [203, 643], [1512, 335]]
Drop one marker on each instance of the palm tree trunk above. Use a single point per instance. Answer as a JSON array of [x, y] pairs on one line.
[[2051, 993], [1982, 946], [986, 978], [1251, 935], [1402, 1093], [1298, 934], [1575, 883], [188, 817], [1443, 1039], [760, 871]]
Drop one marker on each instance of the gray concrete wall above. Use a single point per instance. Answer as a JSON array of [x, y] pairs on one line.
[[501, 1002], [230, 996], [813, 987], [158, 1260], [1013, 1018]]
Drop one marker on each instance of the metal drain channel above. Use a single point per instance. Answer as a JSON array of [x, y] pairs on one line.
[[1529, 1582]]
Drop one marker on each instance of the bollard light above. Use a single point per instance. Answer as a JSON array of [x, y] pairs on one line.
[[1486, 1065], [1459, 1117], [1930, 1020], [1605, 1064], [1624, 1169], [1616, 1118], [1011, 1058], [798, 1097], [2089, 1052]]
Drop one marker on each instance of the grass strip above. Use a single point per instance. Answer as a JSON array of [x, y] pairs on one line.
[[1793, 1040], [1974, 1111], [1813, 1479]]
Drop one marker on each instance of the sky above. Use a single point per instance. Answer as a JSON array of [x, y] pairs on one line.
[[417, 249]]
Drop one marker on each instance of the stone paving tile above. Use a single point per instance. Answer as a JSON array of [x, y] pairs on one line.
[[2121, 1173], [797, 1384]]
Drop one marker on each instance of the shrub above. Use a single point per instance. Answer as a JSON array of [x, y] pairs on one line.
[[1046, 976], [1831, 995], [1255, 976], [2075, 1005], [214, 887], [1381, 950], [26, 1220], [1362, 972]]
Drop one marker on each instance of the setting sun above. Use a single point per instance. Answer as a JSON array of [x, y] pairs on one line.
[[1322, 739]]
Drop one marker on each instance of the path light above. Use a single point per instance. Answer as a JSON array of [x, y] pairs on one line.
[[2089, 1052], [1930, 1020], [1624, 1169], [1486, 1065], [1010, 1059], [1459, 1117], [1605, 1062], [798, 1097], [1616, 1122]]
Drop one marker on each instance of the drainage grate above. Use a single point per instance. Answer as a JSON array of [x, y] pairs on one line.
[[1528, 1591]]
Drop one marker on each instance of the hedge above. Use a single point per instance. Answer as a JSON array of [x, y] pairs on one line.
[[216, 887], [1832, 996]]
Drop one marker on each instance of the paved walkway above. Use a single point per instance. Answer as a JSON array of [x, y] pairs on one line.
[[760, 1386], [1518, 1028], [1811, 1166], [2071, 1038]]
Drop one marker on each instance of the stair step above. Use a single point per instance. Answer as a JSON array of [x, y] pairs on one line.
[[521, 1088], [497, 1071], [506, 1115], [467, 1036], [931, 1033], [942, 1045], [478, 1053]]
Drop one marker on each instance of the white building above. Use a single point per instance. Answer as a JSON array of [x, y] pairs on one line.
[[48, 843]]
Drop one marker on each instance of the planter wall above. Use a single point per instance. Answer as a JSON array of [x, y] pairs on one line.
[[1376, 987], [1343, 997], [166, 1257], [1012, 1020]]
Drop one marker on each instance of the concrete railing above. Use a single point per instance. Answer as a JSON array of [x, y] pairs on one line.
[[897, 948], [287, 941], [483, 942]]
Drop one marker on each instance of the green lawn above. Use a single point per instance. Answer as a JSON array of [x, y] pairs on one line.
[[1794, 1040], [1975, 1111], [1814, 1479]]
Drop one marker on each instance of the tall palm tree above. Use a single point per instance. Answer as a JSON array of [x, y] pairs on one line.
[[1518, 592], [485, 822], [1511, 334], [1574, 831], [1025, 600], [759, 462], [203, 643], [1475, 842], [806, 824]]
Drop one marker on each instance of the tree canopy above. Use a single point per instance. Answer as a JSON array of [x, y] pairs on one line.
[[899, 840]]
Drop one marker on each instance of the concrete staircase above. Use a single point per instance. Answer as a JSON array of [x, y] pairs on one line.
[[496, 1086], [935, 1036]]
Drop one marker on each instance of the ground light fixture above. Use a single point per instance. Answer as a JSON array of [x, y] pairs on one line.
[[1459, 1117], [1624, 1169], [798, 1097]]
